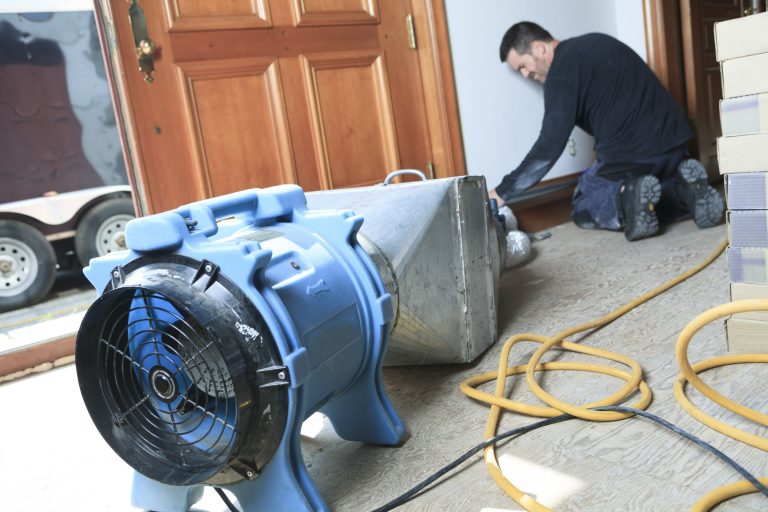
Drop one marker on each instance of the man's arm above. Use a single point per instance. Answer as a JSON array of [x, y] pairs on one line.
[[556, 128]]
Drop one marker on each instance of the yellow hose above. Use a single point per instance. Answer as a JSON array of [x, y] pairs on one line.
[[686, 371], [689, 374], [633, 381], [724, 493]]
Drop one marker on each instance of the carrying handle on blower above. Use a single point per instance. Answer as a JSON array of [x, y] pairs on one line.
[[167, 231], [401, 172], [260, 206]]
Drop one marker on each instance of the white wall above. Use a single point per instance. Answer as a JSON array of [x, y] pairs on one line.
[[630, 25], [500, 111]]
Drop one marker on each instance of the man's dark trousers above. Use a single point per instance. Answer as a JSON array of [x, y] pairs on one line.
[[596, 198]]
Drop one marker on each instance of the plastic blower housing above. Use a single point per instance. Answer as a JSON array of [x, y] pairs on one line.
[[180, 393], [226, 324]]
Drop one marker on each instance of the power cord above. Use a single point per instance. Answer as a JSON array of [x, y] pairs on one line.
[[606, 409], [226, 499], [414, 491], [597, 411], [410, 494]]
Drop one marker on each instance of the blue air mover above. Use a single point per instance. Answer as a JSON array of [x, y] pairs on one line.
[[225, 324]]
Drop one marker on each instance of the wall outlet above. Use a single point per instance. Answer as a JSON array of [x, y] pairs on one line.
[[572, 149]]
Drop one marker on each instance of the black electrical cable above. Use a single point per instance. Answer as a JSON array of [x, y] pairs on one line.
[[735, 465], [410, 494], [225, 499]]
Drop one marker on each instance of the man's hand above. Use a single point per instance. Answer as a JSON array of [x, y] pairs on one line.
[[493, 195]]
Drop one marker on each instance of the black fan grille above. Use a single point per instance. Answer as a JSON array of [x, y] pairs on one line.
[[166, 382]]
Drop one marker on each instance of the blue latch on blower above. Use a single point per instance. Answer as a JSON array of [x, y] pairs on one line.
[[227, 323]]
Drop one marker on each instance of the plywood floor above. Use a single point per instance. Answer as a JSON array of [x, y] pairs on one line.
[[53, 459], [577, 275]]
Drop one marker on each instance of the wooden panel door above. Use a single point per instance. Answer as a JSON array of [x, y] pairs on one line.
[[702, 72], [352, 118], [253, 93], [236, 112]]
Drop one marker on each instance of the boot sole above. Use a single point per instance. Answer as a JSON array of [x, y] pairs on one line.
[[644, 222], [707, 205]]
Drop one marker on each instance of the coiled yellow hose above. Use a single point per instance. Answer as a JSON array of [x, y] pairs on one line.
[[689, 374], [633, 379]]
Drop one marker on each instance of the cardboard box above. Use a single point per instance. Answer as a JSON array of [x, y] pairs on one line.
[[741, 36], [748, 228], [744, 291], [744, 153], [748, 264], [745, 75], [750, 336], [747, 191], [744, 115]]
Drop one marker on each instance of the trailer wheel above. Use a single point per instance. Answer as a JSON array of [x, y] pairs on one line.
[[27, 265], [102, 230]]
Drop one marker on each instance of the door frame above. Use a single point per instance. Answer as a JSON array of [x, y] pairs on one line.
[[436, 67], [672, 38], [664, 46]]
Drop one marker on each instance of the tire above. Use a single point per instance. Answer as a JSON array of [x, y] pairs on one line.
[[102, 230], [27, 265]]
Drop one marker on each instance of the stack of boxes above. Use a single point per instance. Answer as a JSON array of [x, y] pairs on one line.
[[742, 50]]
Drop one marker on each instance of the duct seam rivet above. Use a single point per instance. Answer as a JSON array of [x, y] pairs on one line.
[[281, 375], [208, 268]]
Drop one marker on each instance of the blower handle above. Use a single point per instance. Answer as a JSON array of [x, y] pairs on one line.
[[261, 206], [395, 174], [167, 231]]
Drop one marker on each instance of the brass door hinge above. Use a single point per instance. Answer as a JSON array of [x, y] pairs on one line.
[[411, 31], [431, 170]]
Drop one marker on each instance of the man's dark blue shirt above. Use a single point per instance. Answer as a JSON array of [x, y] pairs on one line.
[[602, 86]]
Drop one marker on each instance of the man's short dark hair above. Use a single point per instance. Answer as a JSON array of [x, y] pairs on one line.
[[520, 36]]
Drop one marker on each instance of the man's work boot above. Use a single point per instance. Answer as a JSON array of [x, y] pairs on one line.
[[638, 199], [702, 201]]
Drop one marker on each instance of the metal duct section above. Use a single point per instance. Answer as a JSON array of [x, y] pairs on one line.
[[439, 252]]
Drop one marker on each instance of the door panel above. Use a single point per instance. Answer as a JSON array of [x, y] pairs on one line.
[[351, 118], [162, 166], [714, 91], [708, 36], [255, 140], [322, 93], [690, 24], [219, 15], [702, 73], [288, 42], [335, 12]]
